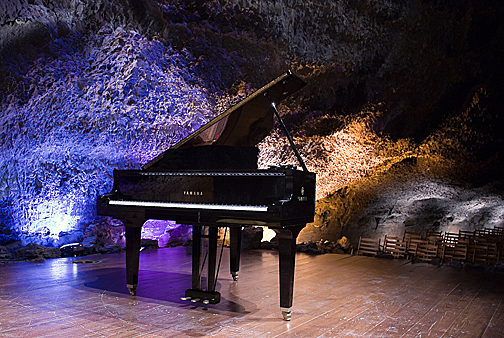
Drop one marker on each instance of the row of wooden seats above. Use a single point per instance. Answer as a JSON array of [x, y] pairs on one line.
[[398, 248], [481, 247], [368, 247]]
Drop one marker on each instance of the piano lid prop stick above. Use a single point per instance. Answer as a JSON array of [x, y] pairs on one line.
[[296, 152]]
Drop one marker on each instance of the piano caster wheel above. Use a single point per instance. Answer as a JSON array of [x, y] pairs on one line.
[[185, 298], [235, 276], [206, 302], [287, 314], [132, 289]]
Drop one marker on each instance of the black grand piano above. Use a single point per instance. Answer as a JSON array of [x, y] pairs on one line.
[[210, 179]]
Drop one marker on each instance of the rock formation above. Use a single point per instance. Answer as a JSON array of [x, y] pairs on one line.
[[401, 118]]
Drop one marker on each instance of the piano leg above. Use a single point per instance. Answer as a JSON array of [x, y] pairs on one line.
[[132, 257], [287, 261], [235, 248]]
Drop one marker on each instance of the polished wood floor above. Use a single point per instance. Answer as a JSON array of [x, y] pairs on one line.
[[334, 296]]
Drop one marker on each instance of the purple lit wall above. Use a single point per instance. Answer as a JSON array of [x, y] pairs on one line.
[[112, 100], [88, 87]]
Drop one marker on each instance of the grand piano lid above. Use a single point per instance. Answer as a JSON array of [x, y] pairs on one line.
[[249, 121], [246, 123]]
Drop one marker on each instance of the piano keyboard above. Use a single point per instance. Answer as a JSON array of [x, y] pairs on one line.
[[212, 174], [172, 205]]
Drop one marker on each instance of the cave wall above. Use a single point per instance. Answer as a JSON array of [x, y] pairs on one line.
[[80, 104], [89, 87]]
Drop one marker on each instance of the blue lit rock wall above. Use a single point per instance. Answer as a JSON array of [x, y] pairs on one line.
[[110, 100], [88, 87]]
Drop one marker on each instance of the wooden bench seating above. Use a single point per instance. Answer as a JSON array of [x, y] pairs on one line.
[[368, 246], [394, 246]]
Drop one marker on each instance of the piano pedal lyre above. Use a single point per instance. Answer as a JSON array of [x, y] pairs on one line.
[[201, 296], [196, 300]]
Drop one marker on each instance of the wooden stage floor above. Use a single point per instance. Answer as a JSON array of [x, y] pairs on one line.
[[334, 296]]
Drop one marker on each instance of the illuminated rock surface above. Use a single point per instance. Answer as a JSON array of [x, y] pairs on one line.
[[401, 119]]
